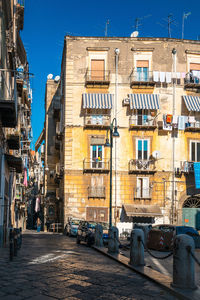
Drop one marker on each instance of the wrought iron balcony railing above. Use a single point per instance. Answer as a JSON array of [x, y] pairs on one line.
[[138, 165], [96, 192], [142, 77], [97, 121], [186, 166], [97, 76], [96, 165], [142, 120]]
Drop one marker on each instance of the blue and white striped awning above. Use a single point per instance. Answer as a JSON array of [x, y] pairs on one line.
[[98, 101], [192, 103], [144, 101]]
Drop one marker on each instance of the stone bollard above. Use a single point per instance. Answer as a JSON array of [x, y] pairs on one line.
[[113, 240], [137, 248], [183, 263], [98, 235]]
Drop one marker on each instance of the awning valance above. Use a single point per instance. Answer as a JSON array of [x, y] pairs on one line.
[[142, 210], [144, 101], [192, 103], [98, 101], [14, 162]]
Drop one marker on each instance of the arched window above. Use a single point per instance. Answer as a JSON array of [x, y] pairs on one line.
[[192, 202]]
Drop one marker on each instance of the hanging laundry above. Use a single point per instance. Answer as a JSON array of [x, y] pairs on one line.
[[155, 76], [169, 119], [183, 75], [181, 123], [178, 75], [197, 174], [168, 77], [191, 119], [37, 205], [175, 120], [165, 125], [173, 75], [25, 178], [162, 76]]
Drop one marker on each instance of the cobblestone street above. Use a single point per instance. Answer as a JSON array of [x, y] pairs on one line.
[[54, 267]]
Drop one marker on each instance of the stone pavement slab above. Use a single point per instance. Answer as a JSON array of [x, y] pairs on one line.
[[55, 267]]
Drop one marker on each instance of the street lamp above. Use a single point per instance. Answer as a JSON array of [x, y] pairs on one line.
[[114, 133]]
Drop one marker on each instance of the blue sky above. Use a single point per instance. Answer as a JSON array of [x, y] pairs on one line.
[[46, 22]]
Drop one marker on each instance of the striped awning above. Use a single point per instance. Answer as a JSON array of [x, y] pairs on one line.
[[98, 101], [144, 101], [192, 103]]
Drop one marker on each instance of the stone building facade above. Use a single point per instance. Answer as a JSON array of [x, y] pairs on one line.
[[149, 89]]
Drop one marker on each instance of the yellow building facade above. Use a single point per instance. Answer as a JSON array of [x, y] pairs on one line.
[[150, 86]]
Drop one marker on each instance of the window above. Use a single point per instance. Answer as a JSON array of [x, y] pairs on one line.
[[143, 190], [142, 149], [195, 151], [96, 152], [97, 69], [142, 70], [96, 189]]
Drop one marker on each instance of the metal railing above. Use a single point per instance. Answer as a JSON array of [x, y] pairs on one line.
[[97, 76], [95, 164], [141, 165], [142, 120], [97, 120], [194, 125], [141, 76], [96, 192], [191, 79], [186, 166]]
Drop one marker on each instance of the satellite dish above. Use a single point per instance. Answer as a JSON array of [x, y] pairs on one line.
[[50, 76], [156, 154], [134, 34], [57, 78]]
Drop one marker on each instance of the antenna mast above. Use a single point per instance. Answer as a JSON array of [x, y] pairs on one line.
[[185, 15], [106, 28]]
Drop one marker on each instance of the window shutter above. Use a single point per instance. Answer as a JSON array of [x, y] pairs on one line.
[[195, 67], [145, 187], [142, 63]]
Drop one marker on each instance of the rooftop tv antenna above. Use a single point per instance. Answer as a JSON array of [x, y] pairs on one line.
[[170, 20], [185, 15], [106, 28], [139, 23]]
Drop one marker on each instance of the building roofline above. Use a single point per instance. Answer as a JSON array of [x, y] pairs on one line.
[[133, 39]]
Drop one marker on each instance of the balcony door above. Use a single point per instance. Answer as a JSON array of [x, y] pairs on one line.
[[142, 149], [96, 152], [142, 70], [97, 69]]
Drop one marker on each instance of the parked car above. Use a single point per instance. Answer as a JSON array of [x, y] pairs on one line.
[[161, 237], [71, 227], [86, 232]]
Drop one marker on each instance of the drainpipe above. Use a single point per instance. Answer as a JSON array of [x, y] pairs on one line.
[[173, 137], [117, 52]]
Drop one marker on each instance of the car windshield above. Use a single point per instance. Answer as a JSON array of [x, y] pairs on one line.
[[75, 222]]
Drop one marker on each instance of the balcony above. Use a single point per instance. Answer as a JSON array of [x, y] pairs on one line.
[[191, 82], [8, 99], [20, 14], [140, 122], [141, 78], [97, 77], [141, 166], [95, 165], [97, 121], [186, 167], [96, 192], [142, 193], [195, 127], [13, 141]]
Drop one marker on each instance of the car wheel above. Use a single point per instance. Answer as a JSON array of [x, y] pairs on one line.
[[77, 240]]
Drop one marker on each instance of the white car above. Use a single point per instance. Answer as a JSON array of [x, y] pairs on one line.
[[71, 227]]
